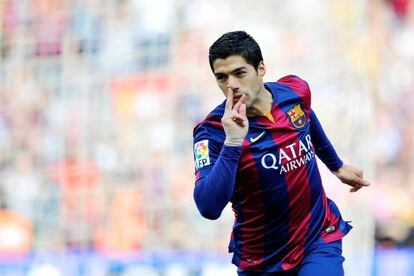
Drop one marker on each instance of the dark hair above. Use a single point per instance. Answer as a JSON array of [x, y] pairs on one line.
[[236, 43]]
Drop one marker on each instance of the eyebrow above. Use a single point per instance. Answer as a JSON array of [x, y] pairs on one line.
[[232, 72]]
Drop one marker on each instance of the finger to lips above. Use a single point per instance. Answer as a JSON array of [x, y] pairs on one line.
[[242, 103], [229, 101], [239, 103], [242, 110]]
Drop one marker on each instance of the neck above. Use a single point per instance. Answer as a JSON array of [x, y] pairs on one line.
[[261, 105]]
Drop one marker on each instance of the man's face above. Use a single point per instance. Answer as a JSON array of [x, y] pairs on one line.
[[235, 73]]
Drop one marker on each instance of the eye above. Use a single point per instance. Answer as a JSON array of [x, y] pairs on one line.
[[221, 78], [240, 74]]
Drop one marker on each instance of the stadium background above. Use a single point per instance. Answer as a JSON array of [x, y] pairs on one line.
[[98, 99]]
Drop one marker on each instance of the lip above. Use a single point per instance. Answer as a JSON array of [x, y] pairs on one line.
[[237, 98]]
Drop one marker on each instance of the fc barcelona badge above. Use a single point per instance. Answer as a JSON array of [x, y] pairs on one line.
[[297, 116]]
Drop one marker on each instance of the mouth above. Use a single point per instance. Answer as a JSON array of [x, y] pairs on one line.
[[236, 98]]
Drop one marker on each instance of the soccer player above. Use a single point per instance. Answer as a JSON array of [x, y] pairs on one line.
[[257, 150]]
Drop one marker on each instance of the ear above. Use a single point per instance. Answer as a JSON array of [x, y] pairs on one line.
[[261, 69]]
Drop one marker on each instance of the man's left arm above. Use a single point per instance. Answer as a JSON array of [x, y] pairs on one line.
[[348, 174]]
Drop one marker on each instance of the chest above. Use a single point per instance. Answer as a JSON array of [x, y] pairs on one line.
[[274, 147]]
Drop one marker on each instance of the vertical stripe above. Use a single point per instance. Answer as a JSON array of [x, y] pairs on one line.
[[251, 213], [318, 207], [299, 193], [329, 220], [320, 211], [276, 200]]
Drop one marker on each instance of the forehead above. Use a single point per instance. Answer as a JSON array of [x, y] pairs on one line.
[[229, 64]]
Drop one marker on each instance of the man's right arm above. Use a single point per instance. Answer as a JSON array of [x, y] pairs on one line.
[[215, 184]]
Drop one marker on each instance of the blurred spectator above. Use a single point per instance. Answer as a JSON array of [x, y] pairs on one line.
[[119, 52], [86, 26], [9, 26], [81, 207], [49, 25], [22, 186], [125, 229], [16, 234]]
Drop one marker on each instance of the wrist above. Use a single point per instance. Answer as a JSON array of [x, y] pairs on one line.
[[339, 173], [233, 142]]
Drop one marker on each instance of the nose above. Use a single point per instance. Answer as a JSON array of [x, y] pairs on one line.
[[233, 83]]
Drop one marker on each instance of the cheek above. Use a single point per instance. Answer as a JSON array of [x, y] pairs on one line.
[[222, 88], [254, 88], [254, 83]]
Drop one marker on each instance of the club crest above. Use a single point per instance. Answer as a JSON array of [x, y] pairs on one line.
[[297, 116]]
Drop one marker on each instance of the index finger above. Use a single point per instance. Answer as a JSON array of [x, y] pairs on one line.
[[361, 182], [229, 101]]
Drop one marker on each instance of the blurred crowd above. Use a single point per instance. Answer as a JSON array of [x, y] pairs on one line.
[[89, 126], [98, 99], [392, 35]]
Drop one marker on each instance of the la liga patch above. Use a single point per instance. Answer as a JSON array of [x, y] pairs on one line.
[[201, 154]]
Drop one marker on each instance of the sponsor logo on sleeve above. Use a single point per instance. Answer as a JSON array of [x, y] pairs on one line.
[[201, 153]]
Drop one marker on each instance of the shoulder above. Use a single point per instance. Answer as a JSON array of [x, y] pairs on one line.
[[294, 87], [294, 82], [298, 85], [290, 83]]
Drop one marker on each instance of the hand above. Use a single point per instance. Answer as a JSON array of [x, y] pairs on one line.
[[234, 120], [351, 176]]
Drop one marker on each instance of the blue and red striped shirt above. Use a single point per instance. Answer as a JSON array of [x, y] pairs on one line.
[[272, 181]]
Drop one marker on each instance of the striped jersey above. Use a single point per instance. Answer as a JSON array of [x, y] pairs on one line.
[[272, 181]]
